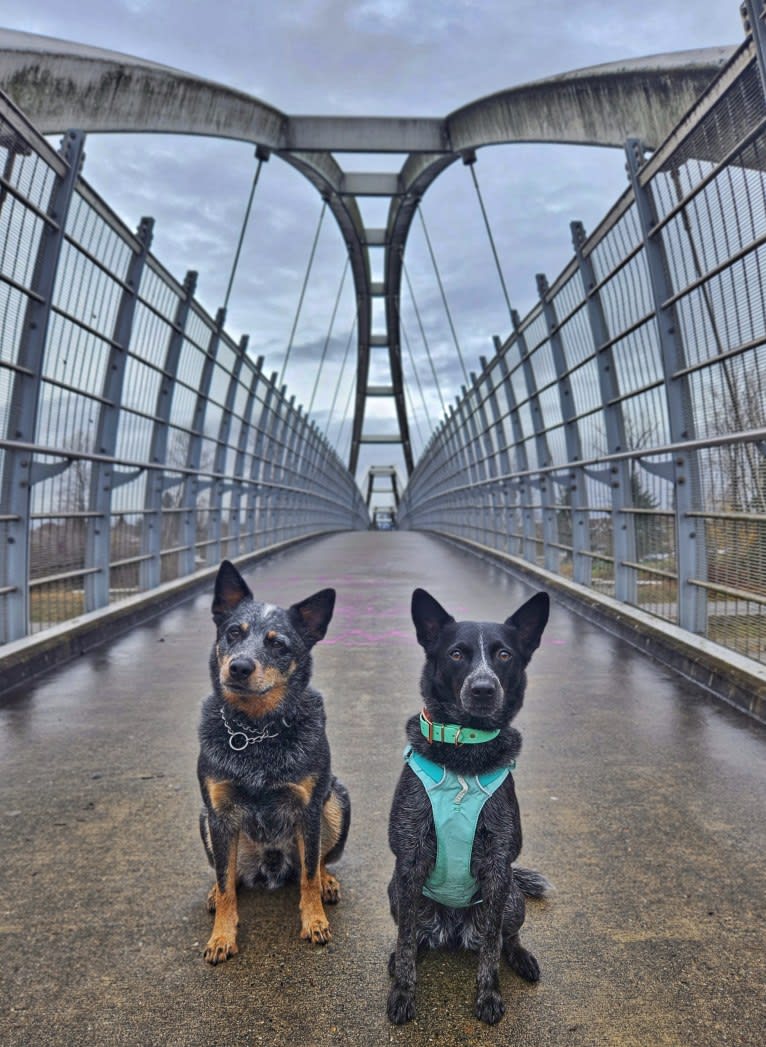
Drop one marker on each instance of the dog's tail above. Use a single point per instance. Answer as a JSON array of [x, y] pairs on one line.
[[532, 884]]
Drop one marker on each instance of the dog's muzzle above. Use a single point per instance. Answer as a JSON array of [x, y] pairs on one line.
[[481, 691]]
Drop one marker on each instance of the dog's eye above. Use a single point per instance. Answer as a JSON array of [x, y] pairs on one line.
[[277, 645], [456, 655], [503, 655], [233, 633]]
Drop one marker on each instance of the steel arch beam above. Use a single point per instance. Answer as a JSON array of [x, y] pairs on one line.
[[60, 84]]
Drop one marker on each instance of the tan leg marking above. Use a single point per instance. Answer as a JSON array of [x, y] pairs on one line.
[[330, 885], [314, 924], [220, 794], [223, 940], [332, 823], [304, 789]]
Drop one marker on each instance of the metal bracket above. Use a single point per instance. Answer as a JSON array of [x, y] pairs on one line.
[[665, 470], [602, 476], [120, 477], [39, 471]]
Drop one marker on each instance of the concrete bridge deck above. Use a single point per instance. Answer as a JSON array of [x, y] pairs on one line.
[[642, 799]]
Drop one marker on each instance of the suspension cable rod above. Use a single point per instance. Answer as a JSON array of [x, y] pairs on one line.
[[340, 376], [415, 372], [346, 412], [470, 163], [261, 156], [444, 296], [302, 294], [423, 336], [327, 339], [408, 394]]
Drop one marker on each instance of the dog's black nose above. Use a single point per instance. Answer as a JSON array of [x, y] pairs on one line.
[[483, 688], [240, 668]]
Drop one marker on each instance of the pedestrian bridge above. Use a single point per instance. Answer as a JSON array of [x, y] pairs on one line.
[[609, 447]]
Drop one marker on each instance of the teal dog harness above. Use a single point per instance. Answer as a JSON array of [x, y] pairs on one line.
[[456, 803]]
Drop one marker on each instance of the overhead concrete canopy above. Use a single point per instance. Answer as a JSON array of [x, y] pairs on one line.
[[61, 85]]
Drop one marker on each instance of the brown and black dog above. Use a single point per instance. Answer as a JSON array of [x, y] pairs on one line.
[[273, 809]]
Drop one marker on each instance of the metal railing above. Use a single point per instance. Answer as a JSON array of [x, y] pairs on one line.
[[618, 436], [138, 442]]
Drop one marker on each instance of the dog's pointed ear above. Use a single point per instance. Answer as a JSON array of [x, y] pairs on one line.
[[230, 590], [312, 615], [529, 621], [429, 617]]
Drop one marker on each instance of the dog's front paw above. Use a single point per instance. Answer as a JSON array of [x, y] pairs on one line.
[[316, 929], [490, 1007], [523, 963], [330, 888], [401, 1005], [220, 948]]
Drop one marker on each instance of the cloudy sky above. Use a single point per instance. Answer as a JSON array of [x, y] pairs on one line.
[[375, 57]]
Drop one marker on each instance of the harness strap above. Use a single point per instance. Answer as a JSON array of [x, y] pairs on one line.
[[456, 803]]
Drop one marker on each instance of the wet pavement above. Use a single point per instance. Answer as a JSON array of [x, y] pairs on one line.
[[642, 799]]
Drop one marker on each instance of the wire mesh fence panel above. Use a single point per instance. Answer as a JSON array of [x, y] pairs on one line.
[[135, 437], [633, 424]]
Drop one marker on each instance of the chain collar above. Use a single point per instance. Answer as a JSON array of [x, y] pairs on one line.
[[239, 739]]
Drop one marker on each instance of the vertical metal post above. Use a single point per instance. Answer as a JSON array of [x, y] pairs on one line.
[[280, 463], [273, 472], [753, 13], [308, 470], [575, 481], [468, 431], [24, 399], [240, 481], [293, 452], [156, 485], [104, 478], [470, 434], [690, 533], [310, 474], [488, 467], [617, 476], [500, 460], [222, 483], [316, 466], [257, 499], [550, 528], [192, 484], [528, 549]]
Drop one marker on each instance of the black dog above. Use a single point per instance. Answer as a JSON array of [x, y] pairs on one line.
[[273, 810], [460, 748]]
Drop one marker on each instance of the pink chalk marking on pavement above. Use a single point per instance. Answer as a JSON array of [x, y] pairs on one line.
[[363, 637]]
